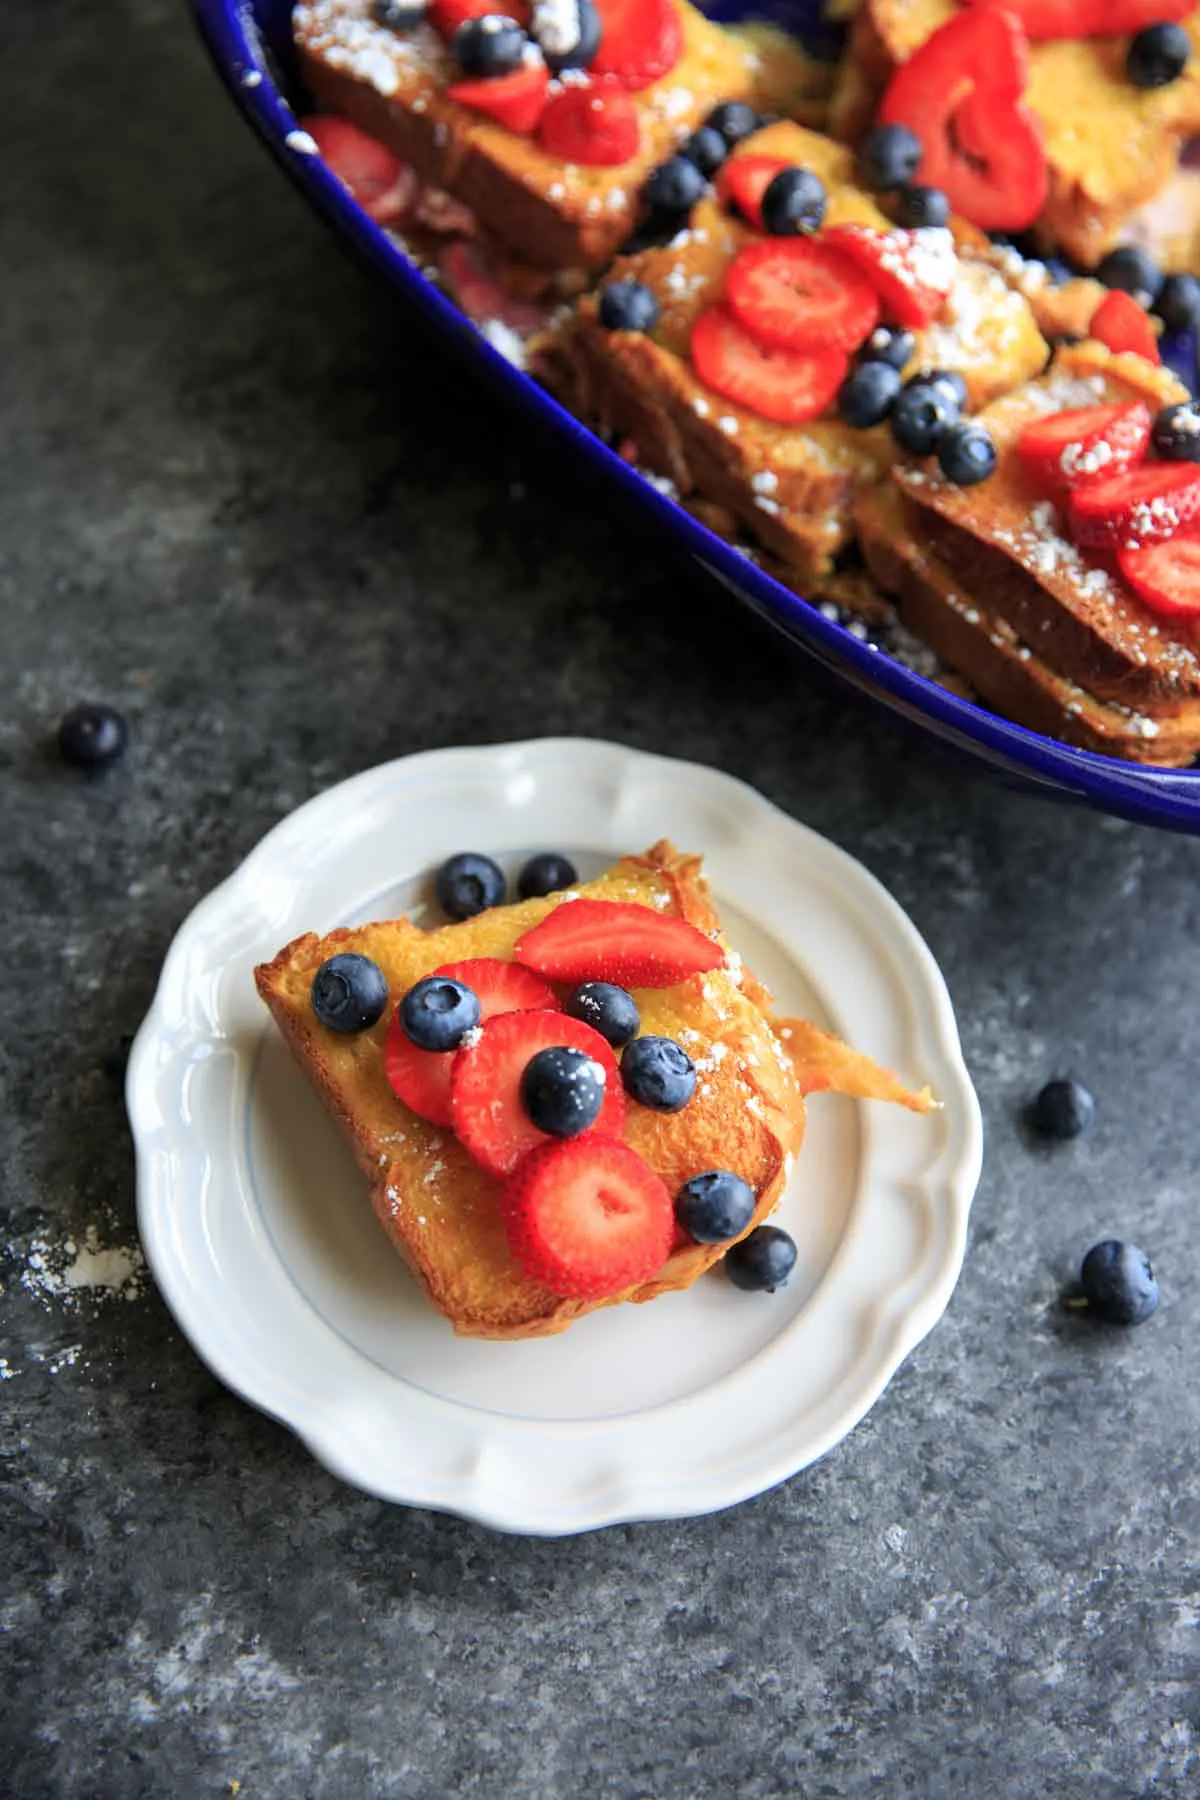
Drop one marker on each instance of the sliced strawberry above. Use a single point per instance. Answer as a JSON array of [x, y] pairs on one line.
[[913, 272], [468, 274], [485, 1087], [614, 940], [788, 386], [1166, 576], [1089, 18], [447, 15], [516, 101], [1090, 443], [962, 93], [591, 122], [421, 1078], [588, 1218], [439, 211], [801, 295], [384, 187], [744, 180], [1143, 506], [1122, 324], [640, 41]]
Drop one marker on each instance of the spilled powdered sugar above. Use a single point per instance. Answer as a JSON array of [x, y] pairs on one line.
[[75, 1270]]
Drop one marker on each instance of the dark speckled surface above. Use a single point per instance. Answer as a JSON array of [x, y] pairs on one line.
[[238, 500]]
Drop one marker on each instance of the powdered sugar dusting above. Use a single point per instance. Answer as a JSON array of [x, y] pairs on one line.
[[72, 1270]]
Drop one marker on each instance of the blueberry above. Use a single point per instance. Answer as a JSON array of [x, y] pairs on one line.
[[715, 1206], [562, 1090], [761, 1262], [628, 306], [545, 874], [607, 1009], [658, 1073], [706, 148], [1178, 303], [591, 30], [1176, 433], [734, 120], [966, 455], [1134, 271], [951, 384], [1118, 1283], [794, 202], [890, 157], [92, 736], [401, 15], [1063, 1109], [890, 344], [492, 45], [918, 207], [867, 394], [921, 414], [674, 187], [469, 884], [1157, 56], [349, 992], [438, 1013]]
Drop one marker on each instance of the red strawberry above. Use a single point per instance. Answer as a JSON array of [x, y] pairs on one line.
[[1090, 443], [383, 186], [447, 15], [1143, 506], [913, 272], [613, 940], [591, 122], [800, 295], [640, 41], [1122, 324], [1089, 18], [962, 93], [421, 1078], [744, 180], [789, 386], [1166, 576], [588, 1218], [485, 1086], [466, 271], [516, 101]]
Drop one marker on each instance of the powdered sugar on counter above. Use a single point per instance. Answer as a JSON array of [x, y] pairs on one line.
[[84, 1268]]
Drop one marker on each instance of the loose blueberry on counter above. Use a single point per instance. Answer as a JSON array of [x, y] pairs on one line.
[[438, 1012], [920, 416], [468, 884], [1118, 1283], [92, 736], [402, 15], [628, 306], [492, 45], [1157, 56], [715, 1206], [889, 344], [1063, 1109], [794, 202], [706, 148], [966, 455], [1176, 432], [349, 992], [734, 120], [1134, 271], [762, 1262], [867, 395], [562, 1090], [545, 874], [1178, 303], [658, 1073], [674, 187], [920, 207], [607, 1009], [950, 382], [582, 56], [890, 157]]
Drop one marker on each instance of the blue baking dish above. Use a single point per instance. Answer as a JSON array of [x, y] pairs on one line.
[[249, 41]]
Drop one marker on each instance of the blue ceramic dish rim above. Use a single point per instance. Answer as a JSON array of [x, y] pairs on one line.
[[1163, 797]]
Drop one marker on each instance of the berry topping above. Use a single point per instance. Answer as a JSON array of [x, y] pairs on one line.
[[793, 201], [1118, 1283], [545, 874], [918, 207], [470, 273], [789, 386], [492, 45], [1176, 432], [486, 1078], [421, 1078], [963, 90], [567, 36], [966, 455], [912, 271], [588, 1218], [1132, 270], [642, 41], [446, 16], [763, 1261], [562, 1090], [608, 1009], [889, 345], [1166, 576], [612, 940], [673, 188], [628, 306], [1063, 1109], [951, 384], [1178, 302], [401, 15], [1145, 505], [745, 179], [800, 295], [1089, 18], [438, 1012], [593, 123], [868, 394], [715, 1206], [1071, 449], [706, 148], [890, 157], [921, 416], [516, 101], [1157, 56], [1121, 323], [349, 992], [468, 884], [735, 120], [383, 186], [91, 736], [658, 1073]]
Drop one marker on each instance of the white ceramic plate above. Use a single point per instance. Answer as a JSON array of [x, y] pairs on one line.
[[260, 1235]]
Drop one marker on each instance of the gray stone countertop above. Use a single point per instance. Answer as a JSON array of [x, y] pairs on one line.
[[239, 499]]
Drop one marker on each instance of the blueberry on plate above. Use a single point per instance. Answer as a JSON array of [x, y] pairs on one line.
[[890, 157], [921, 415], [401, 15], [468, 884], [715, 1206], [582, 53], [349, 992], [890, 344], [437, 1013], [966, 455], [607, 1009], [1178, 303], [562, 1090], [868, 393], [919, 207], [1157, 56], [763, 1261], [658, 1073], [707, 149], [734, 120], [628, 306], [545, 874], [1134, 271], [92, 736], [794, 202], [1118, 1283], [674, 187], [492, 45], [950, 382], [1176, 433], [1063, 1109]]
